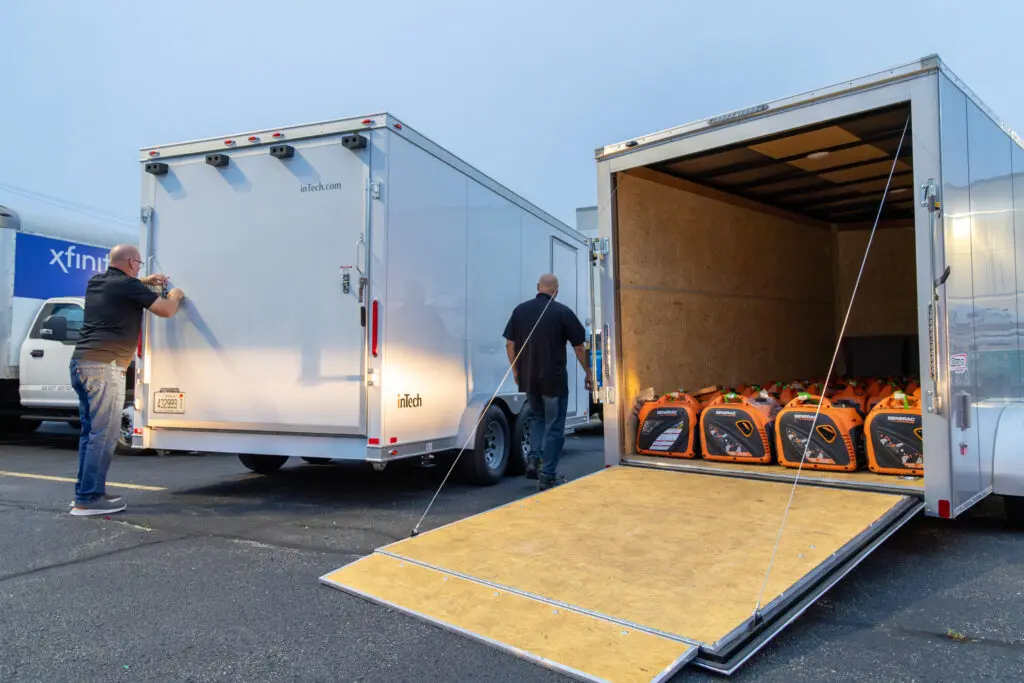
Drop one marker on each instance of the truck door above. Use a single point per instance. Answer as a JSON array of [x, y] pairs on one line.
[[564, 266], [269, 251], [45, 380]]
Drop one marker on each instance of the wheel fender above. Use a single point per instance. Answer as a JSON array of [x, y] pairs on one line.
[[471, 416], [1008, 455]]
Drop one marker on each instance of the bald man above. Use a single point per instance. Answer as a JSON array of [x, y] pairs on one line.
[[114, 302], [541, 372]]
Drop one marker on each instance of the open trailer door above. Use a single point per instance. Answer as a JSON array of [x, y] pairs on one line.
[[629, 573]]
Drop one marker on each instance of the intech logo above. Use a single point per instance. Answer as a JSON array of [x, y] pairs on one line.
[[408, 401], [320, 187]]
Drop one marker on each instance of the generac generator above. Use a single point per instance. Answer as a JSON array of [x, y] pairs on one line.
[[853, 395], [669, 426], [707, 395], [832, 442], [895, 436], [735, 428]]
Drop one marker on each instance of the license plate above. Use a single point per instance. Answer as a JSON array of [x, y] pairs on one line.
[[169, 402]]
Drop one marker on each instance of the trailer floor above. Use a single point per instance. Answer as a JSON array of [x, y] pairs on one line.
[[681, 559], [864, 480]]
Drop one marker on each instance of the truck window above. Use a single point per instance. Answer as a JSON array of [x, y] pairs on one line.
[[73, 313]]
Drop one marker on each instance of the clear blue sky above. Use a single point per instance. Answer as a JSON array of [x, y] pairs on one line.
[[523, 90]]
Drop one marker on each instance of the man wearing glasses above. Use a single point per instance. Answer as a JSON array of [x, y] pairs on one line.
[[114, 301]]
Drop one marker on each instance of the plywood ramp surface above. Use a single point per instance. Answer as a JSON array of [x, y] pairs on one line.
[[681, 554], [577, 644]]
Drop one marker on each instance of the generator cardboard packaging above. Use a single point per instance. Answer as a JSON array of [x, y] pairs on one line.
[[893, 431]]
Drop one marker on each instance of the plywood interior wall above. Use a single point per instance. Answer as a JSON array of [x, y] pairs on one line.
[[886, 302], [716, 293]]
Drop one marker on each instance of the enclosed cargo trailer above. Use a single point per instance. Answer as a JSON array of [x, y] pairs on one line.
[[727, 254], [347, 286]]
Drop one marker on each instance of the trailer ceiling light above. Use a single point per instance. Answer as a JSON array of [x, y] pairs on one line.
[[818, 155]]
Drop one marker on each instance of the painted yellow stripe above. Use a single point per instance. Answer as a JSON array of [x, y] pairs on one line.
[[112, 484]]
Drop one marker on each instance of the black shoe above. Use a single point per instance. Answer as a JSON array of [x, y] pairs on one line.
[[533, 467], [547, 483]]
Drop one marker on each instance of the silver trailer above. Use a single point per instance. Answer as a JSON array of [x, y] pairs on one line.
[[347, 286], [727, 253]]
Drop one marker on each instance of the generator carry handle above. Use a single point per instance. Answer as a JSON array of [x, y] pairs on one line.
[[803, 399], [730, 397], [899, 401]]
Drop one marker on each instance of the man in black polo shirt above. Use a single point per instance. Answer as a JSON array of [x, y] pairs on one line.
[[114, 301], [541, 372]]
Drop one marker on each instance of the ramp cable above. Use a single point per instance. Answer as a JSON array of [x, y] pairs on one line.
[[771, 562], [483, 413]]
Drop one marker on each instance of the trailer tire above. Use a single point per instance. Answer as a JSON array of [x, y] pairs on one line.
[[263, 464], [1014, 506], [485, 465], [520, 442]]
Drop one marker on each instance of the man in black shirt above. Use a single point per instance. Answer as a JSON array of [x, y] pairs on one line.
[[114, 301], [541, 372]]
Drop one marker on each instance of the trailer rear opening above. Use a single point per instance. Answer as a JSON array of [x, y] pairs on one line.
[[736, 266]]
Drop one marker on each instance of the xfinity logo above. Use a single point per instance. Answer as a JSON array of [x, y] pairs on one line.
[[319, 187], [408, 401], [67, 258]]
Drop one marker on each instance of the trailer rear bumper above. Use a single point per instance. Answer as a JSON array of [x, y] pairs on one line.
[[261, 443]]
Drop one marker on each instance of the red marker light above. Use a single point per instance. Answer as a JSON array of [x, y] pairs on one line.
[[153, 153], [374, 442], [367, 122], [393, 440], [398, 126], [374, 337], [229, 142], [137, 430], [253, 138], [945, 511], [392, 452], [277, 135]]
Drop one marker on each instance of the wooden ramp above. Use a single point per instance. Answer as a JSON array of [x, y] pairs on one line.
[[629, 573]]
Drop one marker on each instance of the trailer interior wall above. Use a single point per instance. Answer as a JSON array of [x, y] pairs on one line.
[[721, 289]]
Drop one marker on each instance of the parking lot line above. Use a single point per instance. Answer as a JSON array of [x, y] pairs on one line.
[[112, 484]]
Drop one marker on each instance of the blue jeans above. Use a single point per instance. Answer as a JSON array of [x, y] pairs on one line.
[[547, 431], [101, 389]]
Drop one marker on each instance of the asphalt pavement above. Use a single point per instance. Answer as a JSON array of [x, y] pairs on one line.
[[211, 575]]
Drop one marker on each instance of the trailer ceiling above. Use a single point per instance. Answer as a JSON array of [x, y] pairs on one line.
[[833, 171]]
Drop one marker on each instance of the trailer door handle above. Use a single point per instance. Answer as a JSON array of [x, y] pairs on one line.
[[37, 353]]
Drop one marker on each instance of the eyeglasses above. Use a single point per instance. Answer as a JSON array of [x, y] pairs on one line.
[[134, 261]]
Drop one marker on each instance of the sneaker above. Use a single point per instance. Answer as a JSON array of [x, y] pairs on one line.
[[533, 467], [546, 483], [107, 497], [101, 506]]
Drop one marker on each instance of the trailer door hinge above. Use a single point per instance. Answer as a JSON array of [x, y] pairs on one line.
[[146, 213], [598, 248], [375, 189]]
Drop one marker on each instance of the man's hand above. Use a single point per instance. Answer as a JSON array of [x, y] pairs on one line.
[[155, 279], [589, 383]]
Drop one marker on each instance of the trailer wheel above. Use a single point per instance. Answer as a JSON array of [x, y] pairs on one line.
[[520, 442], [1014, 510], [485, 464], [263, 464]]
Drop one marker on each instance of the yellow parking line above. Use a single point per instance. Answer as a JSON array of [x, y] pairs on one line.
[[113, 484]]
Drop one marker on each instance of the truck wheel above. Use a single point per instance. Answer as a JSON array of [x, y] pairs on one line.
[[1014, 510], [263, 464], [485, 464], [520, 442]]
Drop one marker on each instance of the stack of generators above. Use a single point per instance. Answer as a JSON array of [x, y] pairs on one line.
[[895, 438], [831, 436], [736, 428], [669, 426]]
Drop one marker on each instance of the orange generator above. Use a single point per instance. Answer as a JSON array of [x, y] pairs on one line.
[[833, 442], [669, 426], [735, 428], [894, 436]]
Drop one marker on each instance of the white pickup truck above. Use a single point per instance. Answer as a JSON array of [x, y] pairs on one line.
[[47, 263]]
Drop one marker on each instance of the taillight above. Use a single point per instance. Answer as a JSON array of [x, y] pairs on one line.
[[373, 326], [138, 351]]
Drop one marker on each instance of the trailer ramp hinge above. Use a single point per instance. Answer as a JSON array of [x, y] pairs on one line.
[[146, 213]]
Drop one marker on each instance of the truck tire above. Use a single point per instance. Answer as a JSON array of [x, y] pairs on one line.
[[263, 464], [485, 465], [1014, 506], [520, 442]]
